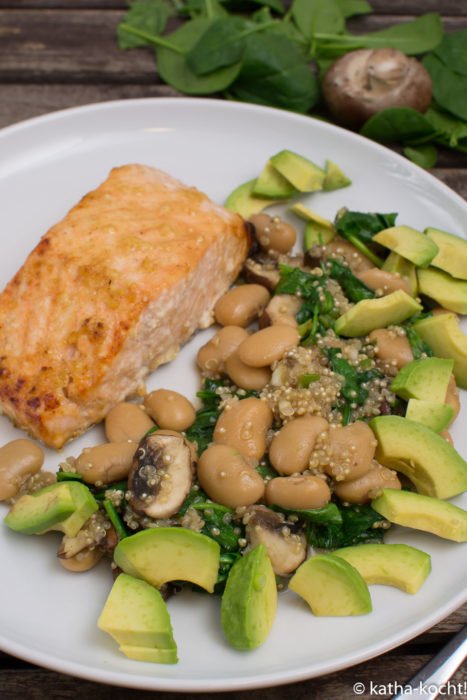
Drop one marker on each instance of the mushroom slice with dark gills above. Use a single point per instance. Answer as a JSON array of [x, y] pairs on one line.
[[161, 475], [286, 547]]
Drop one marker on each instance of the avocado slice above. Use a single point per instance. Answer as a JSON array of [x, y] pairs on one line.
[[449, 292], [452, 252], [164, 554], [431, 463], [396, 264], [136, 616], [331, 586], [249, 601], [335, 178], [64, 506], [436, 416], [422, 512], [408, 242], [270, 183], [426, 379], [304, 175], [443, 335], [396, 565], [368, 314], [243, 202], [318, 231]]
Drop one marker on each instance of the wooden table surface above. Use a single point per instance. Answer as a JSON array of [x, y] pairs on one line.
[[56, 54]]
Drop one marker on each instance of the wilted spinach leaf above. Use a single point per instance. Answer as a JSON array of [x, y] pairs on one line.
[[359, 524], [356, 224], [353, 288]]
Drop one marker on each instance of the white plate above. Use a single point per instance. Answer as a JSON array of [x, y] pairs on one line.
[[48, 615]]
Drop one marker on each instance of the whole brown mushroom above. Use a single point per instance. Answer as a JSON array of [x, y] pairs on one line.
[[363, 82]]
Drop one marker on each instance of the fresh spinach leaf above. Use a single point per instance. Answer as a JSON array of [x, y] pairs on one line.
[[449, 127], [359, 524], [222, 44], [274, 72], [174, 69], [353, 288], [418, 36], [398, 124], [449, 88], [424, 155], [349, 8], [312, 16], [150, 17], [453, 51]]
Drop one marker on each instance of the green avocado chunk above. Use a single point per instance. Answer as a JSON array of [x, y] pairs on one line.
[[136, 616], [243, 202], [249, 601], [443, 335], [64, 506], [270, 183], [422, 512], [396, 565], [397, 265], [436, 416], [369, 314], [164, 554], [431, 463], [452, 253], [335, 178], [318, 231], [447, 291], [408, 242], [304, 175], [426, 379], [331, 586]]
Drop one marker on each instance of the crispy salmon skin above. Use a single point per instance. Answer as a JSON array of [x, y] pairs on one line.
[[108, 294]]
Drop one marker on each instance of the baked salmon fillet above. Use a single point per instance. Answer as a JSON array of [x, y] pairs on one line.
[[109, 293]]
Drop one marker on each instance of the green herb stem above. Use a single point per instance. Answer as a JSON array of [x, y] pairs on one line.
[[375, 259], [115, 519], [152, 38]]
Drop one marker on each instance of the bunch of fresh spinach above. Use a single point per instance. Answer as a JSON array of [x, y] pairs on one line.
[[260, 51]]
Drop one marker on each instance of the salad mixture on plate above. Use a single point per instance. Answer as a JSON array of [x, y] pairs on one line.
[[327, 394]]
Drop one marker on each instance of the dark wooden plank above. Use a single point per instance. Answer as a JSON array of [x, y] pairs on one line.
[[397, 7], [19, 101], [47, 46], [379, 677]]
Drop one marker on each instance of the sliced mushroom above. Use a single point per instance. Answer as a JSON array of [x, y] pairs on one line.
[[262, 272], [286, 547], [161, 475], [280, 305]]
